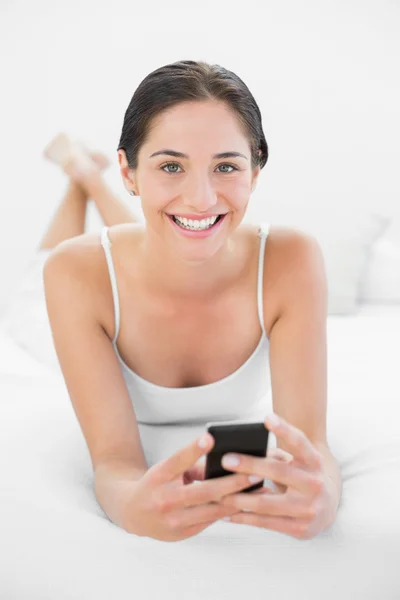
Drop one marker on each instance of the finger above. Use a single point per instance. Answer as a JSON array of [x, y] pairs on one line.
[[264, 490], [210, 490], [195, 473], [271, 504], [280, 489], [297, 442], [287, 525], [174, 466], [280, 454], [279, 471], [206, 513]]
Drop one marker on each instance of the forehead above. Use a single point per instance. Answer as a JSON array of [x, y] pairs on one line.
[[205, 121]]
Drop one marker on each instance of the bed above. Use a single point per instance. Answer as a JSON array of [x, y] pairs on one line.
[[57, 543]]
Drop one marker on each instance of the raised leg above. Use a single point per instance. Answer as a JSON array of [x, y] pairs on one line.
[[69, 219], [84, 169], [111, 208]]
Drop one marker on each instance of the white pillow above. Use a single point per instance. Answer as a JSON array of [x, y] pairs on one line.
[[14, 360], [25, 318], [381, 283], [346, 240]]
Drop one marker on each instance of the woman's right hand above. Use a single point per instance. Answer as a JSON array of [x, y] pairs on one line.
[[163, 507]]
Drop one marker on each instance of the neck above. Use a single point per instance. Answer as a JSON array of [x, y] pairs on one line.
[[188, 278]]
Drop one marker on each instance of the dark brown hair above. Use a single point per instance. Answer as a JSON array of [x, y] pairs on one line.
[[186, 81]]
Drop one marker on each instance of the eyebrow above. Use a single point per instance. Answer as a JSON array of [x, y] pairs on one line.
[[182, 155]]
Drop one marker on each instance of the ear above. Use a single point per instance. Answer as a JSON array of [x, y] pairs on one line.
[[254, 178], [255, 175], [127, 173]]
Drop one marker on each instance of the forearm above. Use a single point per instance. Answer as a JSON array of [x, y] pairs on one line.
[[113, 483]]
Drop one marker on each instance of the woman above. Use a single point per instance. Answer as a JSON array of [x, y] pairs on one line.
[[25, 318], [161, 323]]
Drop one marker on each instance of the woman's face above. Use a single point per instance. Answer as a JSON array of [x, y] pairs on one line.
[[198, 184]]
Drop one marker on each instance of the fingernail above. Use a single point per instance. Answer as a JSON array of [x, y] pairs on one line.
[[226, 518], [230, 460], [203, 441]]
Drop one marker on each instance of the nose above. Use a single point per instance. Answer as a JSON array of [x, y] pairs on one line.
[[200, 196]]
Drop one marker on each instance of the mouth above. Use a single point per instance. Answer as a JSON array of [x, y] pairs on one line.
[[194, 224], [193, 228]]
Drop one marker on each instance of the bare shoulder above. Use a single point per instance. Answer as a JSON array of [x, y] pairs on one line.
[[78, 256], [298, 257], [288, 243], [293, 261], [78, 262], [85, 253]]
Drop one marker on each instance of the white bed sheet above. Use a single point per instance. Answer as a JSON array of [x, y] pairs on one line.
[[57, 543]]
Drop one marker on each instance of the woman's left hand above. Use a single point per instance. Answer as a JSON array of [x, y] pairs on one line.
[[306, 505]]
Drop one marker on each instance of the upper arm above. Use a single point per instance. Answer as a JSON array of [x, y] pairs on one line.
[[298, 346], [88, 362]]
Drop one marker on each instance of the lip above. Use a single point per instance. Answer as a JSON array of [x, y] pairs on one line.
[[197, 233]]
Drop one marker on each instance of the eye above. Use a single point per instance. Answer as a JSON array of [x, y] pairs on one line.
[[227, 165], [176, 164], [168, 165]]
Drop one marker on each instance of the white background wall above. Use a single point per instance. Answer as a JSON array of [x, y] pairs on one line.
[[324, 74]]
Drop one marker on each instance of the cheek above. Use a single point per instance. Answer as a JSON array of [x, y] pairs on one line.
[[155, 197], [243, 187], [238, 191]]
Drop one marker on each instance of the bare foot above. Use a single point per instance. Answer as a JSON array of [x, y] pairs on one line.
[[99, 158], [80, 166], [74, 157], [83, 170]]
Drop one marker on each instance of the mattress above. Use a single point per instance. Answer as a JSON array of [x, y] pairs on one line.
[[57, 543]]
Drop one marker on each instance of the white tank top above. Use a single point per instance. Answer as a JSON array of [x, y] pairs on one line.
[[244, 394]]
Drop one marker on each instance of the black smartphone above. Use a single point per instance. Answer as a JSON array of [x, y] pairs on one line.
[[244, 437]]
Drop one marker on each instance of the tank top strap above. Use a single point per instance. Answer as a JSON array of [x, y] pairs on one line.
[[106, 243], [263, 232]]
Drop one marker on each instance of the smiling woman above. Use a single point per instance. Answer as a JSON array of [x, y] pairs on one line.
[[175, 321], [204, 115]]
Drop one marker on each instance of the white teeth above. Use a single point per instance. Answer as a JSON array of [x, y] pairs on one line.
[[195, 224]]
